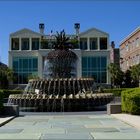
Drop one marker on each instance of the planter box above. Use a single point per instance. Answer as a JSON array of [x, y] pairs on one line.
[[11, 110], [114, 108]]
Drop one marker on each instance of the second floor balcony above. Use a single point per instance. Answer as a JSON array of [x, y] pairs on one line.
[[31, 44]]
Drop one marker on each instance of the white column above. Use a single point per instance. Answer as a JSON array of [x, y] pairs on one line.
[[39, 43], [98, 43], [40, 66], [108, 73], [10, 44], [108, 45], [20, 44], [79, 65], [10, 63], [88, 43], [30, 43]]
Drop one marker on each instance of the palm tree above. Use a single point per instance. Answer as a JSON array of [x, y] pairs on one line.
[[62, 59]]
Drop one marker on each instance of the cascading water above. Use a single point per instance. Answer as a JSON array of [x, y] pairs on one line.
[[68, 94]]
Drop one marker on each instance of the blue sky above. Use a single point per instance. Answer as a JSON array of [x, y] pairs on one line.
[[118, 18]]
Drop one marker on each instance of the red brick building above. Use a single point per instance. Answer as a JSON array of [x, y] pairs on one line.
[[130, 50]]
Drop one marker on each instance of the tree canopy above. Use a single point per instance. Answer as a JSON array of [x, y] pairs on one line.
[[135, 73], [6, 75], [116, 74]]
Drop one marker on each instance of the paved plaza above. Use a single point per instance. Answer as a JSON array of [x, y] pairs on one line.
[[68, 126]]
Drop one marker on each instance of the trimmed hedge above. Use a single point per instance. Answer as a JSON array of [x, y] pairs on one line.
[[5, 93], [115, 91], [131, 101], [1, 101]]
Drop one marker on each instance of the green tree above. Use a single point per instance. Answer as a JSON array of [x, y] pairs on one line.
[[9, 74], [127, 79], [116, 74], [6, 75], [33, 76], [135, 73]]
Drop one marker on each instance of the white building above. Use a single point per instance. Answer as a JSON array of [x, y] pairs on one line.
[[27, 54]]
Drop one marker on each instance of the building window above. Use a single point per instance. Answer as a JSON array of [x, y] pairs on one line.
[[133, 45], [103, 43], [25, 43], [137, 59], [127, 63], [93, 44], [35, 43], [84, 63], [44, 44], [95, 67], [15, 44], [83, 43], [127, 49], [24, 67], [137, 42]]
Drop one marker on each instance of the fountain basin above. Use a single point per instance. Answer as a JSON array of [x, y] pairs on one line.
[[64, 94], [59, 103]]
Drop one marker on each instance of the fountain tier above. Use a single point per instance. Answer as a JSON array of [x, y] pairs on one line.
[[60, 86], [66, 94]]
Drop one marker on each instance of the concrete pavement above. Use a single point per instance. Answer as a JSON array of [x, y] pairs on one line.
[[133, 120], [68, 126]]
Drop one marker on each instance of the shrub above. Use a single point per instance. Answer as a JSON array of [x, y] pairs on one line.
[[131, 101], [1, 100], [8, 92], [5, 93], [116, 92]]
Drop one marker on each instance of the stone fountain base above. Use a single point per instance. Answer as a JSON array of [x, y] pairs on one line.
[[44, 103], [11, 110]]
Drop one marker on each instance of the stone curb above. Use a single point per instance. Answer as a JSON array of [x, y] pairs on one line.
[[6, 120]]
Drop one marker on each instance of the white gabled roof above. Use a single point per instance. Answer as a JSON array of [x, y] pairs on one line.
[[130, 35], [28, 31], [25, 30], [92, 30]]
